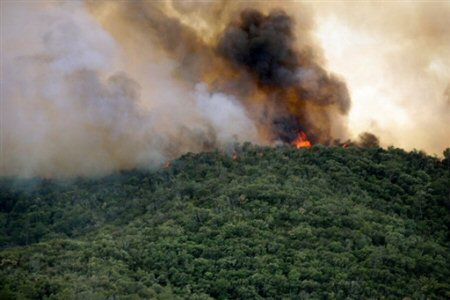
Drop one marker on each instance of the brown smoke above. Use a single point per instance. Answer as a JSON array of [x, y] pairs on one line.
[[74, 104], [292, 80], [395, 58], [93, 87], [282, 86]]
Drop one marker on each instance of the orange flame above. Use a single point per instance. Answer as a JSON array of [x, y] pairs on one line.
[[301, 141], [235, 156]]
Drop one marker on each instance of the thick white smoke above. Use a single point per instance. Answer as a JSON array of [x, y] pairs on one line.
[[225, 114], [395, 59], [96, 86], [70, 107]]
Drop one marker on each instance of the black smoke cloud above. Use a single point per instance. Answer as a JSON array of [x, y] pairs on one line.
[[264, 45], [249, 54], [75, 103], [108, 85]]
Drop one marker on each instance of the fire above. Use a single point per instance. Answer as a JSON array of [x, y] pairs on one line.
[[301, 141], [235, 156]]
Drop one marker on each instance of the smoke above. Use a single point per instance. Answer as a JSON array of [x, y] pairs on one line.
[[394, 58], [70, 107], [249, 54], [264, 46], [226, 116], [96, 86]]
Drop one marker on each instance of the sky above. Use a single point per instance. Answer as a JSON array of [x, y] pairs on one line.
[[90, 87]]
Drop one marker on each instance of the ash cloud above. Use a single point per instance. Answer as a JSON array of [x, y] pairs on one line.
[[104, 86], [264, 45], [97, 86], [72, 105], [273, 79], [395, 61]]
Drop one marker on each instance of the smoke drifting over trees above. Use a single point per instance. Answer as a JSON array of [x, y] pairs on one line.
[[96, 86], [264, 46], [72, 107]]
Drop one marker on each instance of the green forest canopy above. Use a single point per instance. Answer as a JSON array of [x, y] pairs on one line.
[[324, 222]]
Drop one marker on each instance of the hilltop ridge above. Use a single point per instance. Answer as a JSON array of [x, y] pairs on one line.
[[324, 222]]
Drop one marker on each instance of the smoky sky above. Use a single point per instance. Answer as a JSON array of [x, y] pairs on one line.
[[264, 45], [91, 87]]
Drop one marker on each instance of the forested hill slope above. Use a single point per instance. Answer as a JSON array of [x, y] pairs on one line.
[[276, 223]]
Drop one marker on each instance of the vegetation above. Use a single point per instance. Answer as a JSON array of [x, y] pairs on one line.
[[324, 222]]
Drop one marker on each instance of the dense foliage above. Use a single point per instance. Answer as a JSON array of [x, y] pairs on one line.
[[325, 222]]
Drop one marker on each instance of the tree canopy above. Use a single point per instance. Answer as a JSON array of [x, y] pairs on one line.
[[267, 222]]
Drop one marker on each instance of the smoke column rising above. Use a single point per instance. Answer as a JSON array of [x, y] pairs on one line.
[[71, 108], [292, 79], [97, 86]]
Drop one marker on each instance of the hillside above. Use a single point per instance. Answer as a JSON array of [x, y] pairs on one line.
[[324, 222]]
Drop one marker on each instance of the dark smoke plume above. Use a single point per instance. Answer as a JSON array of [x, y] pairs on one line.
[[90, 87], [294, 93], [108, 85], [264, 46]]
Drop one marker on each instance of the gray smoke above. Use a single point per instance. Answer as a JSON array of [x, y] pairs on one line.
[[70, 106], [264, 45]]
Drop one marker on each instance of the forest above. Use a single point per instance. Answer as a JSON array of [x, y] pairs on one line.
[[256, 223]]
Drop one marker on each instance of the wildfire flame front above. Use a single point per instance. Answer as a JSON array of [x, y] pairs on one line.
[[301, 141]]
